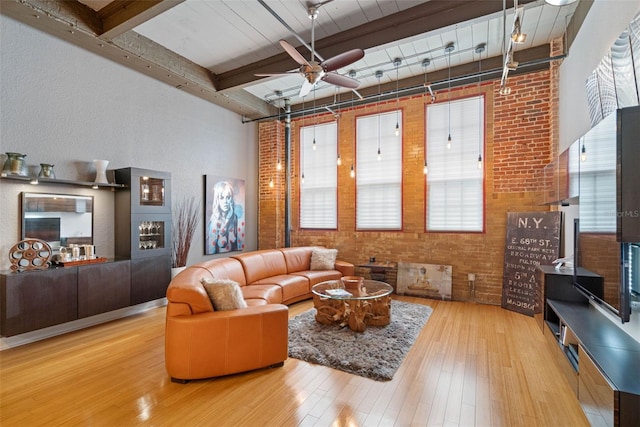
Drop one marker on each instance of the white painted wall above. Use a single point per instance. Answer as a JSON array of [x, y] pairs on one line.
[[63, 105], [606, 20]]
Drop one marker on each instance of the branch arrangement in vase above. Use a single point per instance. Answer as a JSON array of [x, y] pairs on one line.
[[186, 219]]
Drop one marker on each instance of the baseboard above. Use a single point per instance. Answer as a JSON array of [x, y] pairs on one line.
[[40, 334]]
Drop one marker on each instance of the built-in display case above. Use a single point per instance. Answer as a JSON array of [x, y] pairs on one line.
[[143, 230], [37, 299]]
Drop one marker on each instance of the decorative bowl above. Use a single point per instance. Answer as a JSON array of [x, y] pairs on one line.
[[353, 283]]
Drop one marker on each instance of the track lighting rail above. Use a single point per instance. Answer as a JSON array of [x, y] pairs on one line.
[[406, 91]]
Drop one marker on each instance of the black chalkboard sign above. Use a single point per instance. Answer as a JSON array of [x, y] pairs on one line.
[[533, 238]]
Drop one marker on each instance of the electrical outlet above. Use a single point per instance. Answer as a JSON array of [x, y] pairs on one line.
[[471, 277]]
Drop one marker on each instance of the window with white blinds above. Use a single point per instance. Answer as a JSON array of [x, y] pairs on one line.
[[598, 178], [378, 180], [455, 196], [318, 188]]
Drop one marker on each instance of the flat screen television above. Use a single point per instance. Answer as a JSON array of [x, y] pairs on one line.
[[47, 229], [614, 262]]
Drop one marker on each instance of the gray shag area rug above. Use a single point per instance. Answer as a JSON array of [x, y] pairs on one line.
[[375, 353]]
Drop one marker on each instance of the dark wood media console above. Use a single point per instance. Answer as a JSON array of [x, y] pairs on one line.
[[600, 360]]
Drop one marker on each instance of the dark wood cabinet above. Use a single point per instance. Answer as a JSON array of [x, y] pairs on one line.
[[558, 285], [103, 288], [36, 299], [150, 278], [143, 230], [33, 300], [600, 361]]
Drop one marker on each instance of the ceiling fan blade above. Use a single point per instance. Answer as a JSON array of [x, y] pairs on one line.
[[340, 80], [293, 53], [342, 60], [288, 73], [305, 89]]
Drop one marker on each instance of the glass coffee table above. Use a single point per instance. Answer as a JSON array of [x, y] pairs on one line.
[[335, 304]]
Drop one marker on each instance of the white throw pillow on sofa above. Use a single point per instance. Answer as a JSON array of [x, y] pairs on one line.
[[323, 259], [225, 294]]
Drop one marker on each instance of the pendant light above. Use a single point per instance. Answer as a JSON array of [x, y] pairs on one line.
[[352, 172], [583, 152], [396, 63], [278, 164], [379, 76], [427, 88], [314, 118], [448, 49], [479, 49], [302, 145], [337, 117]]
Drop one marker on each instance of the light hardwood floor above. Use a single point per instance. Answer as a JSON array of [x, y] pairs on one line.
[[472, 365]]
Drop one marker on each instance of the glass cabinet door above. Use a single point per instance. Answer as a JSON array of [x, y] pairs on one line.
[[151, 235], [152, 191]]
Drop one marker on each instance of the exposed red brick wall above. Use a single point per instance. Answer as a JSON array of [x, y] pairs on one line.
[[520, 141], [522, 133]]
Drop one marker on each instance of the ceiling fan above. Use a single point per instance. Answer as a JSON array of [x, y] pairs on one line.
[[314, 71]]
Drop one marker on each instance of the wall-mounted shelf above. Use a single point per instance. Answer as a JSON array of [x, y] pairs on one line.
[[28, 179]]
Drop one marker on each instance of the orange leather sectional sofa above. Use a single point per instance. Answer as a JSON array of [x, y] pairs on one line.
[[202, 343]]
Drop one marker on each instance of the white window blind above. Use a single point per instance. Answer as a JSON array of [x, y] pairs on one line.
[[598, 178], [378, 182], [318, 192], [455, 196]]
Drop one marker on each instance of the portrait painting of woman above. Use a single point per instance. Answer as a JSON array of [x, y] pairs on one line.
[[225, 209]]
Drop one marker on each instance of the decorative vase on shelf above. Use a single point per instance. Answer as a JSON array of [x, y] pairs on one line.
[[101, 171], [15, 165], [46, 171]]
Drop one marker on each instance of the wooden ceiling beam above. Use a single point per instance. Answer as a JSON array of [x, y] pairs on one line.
[[426, 17], [120, 16]]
